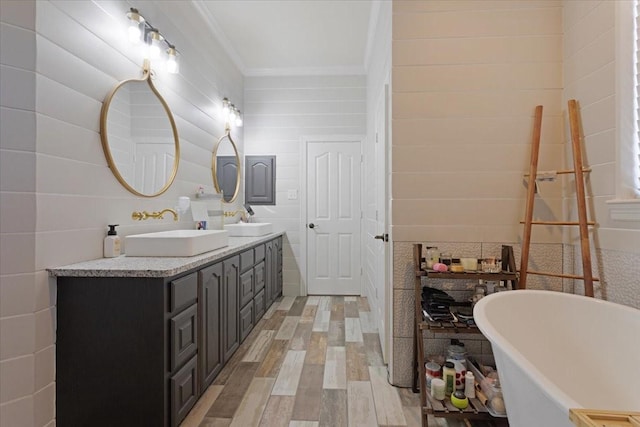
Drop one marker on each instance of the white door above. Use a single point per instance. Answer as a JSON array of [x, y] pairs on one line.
[[382, 249], [153, 166], [333, 218]]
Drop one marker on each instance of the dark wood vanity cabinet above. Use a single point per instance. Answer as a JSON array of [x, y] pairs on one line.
[[277, 266], [259, 274], [230, 307], [273, 270], [269, 290], [135, 351], [210, 298], [126, 350]]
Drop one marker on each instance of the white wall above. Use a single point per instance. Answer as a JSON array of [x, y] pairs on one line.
[[378, 75], [26, 345], [466, 79], [279, 112], [59, 60], [467, 76], [590, 67]]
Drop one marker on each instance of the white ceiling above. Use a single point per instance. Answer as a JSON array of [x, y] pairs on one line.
[[291, 37]]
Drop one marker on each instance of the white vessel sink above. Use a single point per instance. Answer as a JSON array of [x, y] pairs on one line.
[[175, 243], [248, 229]]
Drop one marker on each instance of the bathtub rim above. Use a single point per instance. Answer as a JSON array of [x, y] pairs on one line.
[[546, 386]]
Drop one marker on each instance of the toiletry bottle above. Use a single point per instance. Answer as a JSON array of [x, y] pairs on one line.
[[449, 377], [457, 355], [437, 389], [112, 242], [469, 385], [432, 256]]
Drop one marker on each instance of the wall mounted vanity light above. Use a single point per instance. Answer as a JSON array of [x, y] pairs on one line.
[[158, 47], [231, 114], [225, 168]]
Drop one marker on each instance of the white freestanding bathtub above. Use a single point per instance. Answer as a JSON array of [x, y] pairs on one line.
[[557, 351]]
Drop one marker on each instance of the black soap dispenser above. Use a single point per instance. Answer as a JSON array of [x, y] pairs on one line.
[[112, 243]]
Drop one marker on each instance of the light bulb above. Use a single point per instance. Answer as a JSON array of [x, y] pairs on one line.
[[154, 47], [135, 35], [136, 24], [233, 113], [172, 60], [239, 119], [225, 107]]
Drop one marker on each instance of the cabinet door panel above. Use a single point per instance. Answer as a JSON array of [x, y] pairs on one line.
[[260, 179], [258, 305], [184, 336], [246, 287], [183, 388], [258, 277], [231, 306], [268, 273], [182, 292], [246, 260], [210, 298], [246, 321], [259, 253], [277, 252]]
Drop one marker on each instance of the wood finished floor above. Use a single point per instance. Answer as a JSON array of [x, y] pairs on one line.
[[311, 361]]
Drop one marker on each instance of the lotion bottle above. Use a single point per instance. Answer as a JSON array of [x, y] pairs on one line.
[[112, 243], [469, 385], [449, 377]]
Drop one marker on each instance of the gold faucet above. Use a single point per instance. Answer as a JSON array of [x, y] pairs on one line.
[[243, 218], [139, 216]]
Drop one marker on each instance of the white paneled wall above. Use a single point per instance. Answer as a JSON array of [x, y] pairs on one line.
[[58, 61], [278, 113], [589, 74], [22, 305], [466, 79], [590, 77]]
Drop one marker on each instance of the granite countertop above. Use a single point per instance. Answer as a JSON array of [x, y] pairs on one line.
[[124, 266]]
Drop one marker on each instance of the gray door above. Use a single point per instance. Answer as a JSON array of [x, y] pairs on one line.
[[260, 180], [227, 171]]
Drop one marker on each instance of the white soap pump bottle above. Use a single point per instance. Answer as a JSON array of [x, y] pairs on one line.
[[112, 243]]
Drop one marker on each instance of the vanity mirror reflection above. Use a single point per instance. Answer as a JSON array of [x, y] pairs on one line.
[[139, 136], [225, 167]]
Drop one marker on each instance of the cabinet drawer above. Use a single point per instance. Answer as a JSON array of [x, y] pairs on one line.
[[183, 292], [246, 260], [183, 389], [246, 321], [184, 336], [258, 277], [259, 305], [246, 287], [259, 253]]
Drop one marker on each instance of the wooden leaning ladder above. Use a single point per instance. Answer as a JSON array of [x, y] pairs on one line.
[[579, 170]]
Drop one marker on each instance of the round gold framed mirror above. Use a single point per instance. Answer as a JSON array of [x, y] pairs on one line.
[[139, 136], [225, 167]]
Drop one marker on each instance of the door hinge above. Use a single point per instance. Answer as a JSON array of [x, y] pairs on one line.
[[376, 137]]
